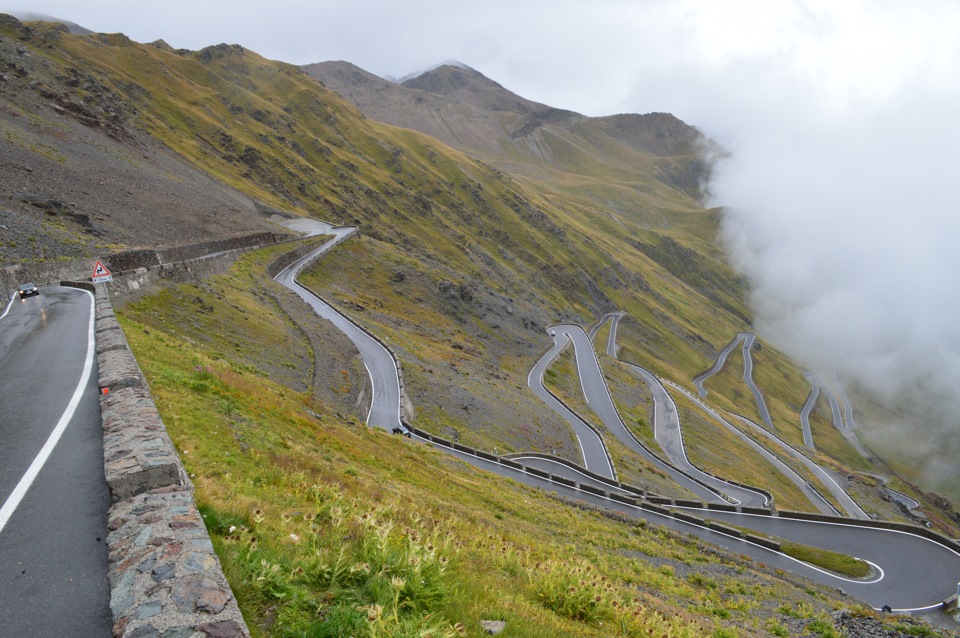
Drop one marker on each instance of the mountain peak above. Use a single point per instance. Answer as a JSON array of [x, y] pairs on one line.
[[469, 86], [416, 74]]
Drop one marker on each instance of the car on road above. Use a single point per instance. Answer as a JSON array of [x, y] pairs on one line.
[[27, 290]]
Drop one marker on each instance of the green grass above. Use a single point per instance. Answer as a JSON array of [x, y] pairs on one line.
[[326, 527], [835, 562]]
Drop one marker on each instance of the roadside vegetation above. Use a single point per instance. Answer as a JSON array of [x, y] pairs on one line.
[[831, 561], [326, 527]]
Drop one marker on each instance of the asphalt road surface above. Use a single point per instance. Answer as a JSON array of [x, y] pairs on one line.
[[911, 573], [808, 407], [594, 452], [384, 378], [53, 554]]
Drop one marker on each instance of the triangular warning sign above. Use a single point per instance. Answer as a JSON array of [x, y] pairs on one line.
[[101, 274]]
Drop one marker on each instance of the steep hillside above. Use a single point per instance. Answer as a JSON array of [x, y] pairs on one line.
[[468, 111], [464, 259], [486, 260], [80, 179]]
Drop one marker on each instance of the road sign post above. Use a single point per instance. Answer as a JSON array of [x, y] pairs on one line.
[[101, 274]]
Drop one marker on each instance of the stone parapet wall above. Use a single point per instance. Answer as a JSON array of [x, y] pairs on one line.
[[138, 456], [126, 263], [165, 578], [147, 258]]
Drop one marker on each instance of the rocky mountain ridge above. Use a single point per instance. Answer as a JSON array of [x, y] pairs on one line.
[[465, 109]]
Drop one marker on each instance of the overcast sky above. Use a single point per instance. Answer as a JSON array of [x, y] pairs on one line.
[[841, 117]]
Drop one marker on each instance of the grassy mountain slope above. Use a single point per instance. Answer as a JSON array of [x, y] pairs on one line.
[[494, 259], [461, 265]]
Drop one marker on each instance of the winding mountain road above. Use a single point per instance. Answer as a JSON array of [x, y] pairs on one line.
[[668, 433], [912, 573], [717, 365], [595, 392], [826, 478], [382, 369], [596, 458]]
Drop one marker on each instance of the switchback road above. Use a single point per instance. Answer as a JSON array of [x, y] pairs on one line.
[[911, 572], [384, 378], [668, 433], [594, 452]]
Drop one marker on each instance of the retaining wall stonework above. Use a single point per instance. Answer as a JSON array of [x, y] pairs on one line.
[[127, 264], [165, 579]]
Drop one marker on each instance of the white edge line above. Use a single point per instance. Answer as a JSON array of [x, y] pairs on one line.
[[744, 540], [31, 474], [9, 305], [544, 360]]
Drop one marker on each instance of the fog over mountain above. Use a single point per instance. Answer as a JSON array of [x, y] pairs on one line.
[[849, 234], [841, 204]]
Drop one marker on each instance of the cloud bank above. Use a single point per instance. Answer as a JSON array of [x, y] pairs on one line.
[[840, 194]]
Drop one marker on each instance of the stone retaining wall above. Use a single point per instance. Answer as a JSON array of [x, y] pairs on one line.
[[125, 264], [201, 260], [148, 258], [165, 579]]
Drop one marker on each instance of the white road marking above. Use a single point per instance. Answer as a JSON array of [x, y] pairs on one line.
[[9, 305], [27, 480]]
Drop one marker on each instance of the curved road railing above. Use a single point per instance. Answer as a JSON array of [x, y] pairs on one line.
[[596, 457], [668, 433], [918, 567]]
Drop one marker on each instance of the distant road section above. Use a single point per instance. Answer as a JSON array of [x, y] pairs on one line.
[[717, 365], [667, 430], [595, 392], [381, 368], [807, 408], [594, 452]]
